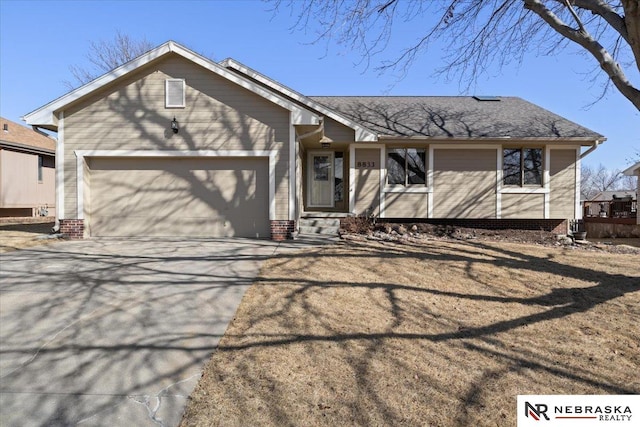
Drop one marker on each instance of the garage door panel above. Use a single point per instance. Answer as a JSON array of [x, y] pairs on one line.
[[136, 226], [178, 197]]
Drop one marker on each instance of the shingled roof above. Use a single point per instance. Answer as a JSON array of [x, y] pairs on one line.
[[22, 137], [455, 117]]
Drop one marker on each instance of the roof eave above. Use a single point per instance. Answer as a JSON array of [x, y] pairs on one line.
[[46, 116], [632, 170], [28, 148], [584, 141]]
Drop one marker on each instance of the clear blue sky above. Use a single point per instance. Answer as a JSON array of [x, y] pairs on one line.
[[39, 40]]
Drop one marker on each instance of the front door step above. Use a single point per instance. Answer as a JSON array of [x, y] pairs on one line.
[[326, 226]]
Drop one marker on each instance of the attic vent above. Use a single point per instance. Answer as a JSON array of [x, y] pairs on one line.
[[174, 93], [486, 98]]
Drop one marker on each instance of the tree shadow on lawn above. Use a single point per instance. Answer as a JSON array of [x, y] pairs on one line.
[[518, 350]]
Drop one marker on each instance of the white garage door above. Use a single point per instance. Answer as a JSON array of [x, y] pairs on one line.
[[182, 197]]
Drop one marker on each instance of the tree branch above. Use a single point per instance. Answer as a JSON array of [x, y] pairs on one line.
[[584, 39], [607, 13], [632, 22], [384, 6], [575, 16]]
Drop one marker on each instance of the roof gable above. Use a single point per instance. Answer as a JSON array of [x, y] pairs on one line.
[[362, 133], [46, 116]]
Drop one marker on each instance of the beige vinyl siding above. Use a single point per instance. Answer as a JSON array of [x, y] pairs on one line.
[[195, 197], [130, 114], [562, 184], [522, 206], [464, 183], [367, 182], [406, 205], [20, 187], [19, 178], [337, 131]]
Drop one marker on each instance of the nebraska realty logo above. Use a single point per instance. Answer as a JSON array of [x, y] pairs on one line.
[[578, 410]]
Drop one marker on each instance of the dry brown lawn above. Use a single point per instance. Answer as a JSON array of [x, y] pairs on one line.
[[447, 333], [23, 234]]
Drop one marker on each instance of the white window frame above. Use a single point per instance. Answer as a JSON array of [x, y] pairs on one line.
[[166, 93], [522, 169], [406, 184]]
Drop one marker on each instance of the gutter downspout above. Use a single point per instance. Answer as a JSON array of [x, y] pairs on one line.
[[56, 226], [313, 132], [595, 145]]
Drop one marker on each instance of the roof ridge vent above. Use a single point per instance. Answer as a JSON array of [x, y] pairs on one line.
[[486, 98]]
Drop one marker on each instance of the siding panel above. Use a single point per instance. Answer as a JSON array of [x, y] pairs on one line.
[[367, 182], [562, 183], [522, 206], [464, 183], [406, 205]]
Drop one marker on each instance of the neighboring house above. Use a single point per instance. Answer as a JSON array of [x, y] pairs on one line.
[[609, 195], [611, 204], [27, 172], [173, 144], [635, 171]]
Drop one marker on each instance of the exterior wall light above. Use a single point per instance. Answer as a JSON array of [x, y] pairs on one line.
[[174, 125], [325, 142]]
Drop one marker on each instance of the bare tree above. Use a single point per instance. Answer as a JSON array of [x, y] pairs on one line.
[[593, 180], [628, 182], [104, 56], [480, 33]]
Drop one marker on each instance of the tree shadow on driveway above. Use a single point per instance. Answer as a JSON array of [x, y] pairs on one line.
[[100, 330]]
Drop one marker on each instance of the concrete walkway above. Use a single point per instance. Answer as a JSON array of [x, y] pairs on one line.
[[115, 332]]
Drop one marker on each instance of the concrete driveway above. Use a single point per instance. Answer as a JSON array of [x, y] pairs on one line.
[[115, 332]]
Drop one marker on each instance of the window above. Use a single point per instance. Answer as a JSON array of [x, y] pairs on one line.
[[174, 93], [40, 166], [522, 166], [406, 166], [338, 164]]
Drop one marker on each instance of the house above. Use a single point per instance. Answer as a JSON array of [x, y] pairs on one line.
[[635, 171], [611, 204], [27, 172], [174, 144]]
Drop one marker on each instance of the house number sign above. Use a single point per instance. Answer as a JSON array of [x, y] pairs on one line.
[[365, 165]]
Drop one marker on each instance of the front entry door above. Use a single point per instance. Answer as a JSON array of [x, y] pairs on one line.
[[321, 179]]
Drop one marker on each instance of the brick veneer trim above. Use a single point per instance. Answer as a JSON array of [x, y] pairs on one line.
[[557, 226], [72, 228], [282, 229]]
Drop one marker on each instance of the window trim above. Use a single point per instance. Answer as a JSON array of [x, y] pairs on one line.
[[166, 93], [522, 183], [406, 184]]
